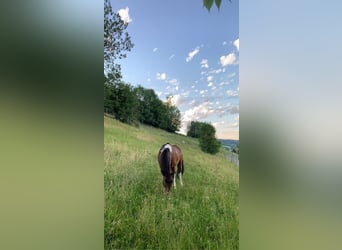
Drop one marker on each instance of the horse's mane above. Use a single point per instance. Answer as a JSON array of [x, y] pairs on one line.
[[165, 159]]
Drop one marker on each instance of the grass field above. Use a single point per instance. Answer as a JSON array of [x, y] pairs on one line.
[[203, 214]]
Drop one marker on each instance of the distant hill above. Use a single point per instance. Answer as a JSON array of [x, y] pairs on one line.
[[230, 144]]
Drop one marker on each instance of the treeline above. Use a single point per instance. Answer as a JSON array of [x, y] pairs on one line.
[[205, 132], [134, 105]]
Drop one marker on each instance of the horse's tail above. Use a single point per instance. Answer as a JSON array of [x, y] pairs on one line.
[[165, 158]]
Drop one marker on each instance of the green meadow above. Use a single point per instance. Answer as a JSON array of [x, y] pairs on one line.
[[202, 214]]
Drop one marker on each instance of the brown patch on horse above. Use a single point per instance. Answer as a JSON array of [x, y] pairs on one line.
[[171, 163]]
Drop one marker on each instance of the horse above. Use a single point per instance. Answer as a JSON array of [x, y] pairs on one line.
[[171, 163]]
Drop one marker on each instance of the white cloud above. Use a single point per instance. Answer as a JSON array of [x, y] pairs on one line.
[[237, 44], [192, 54], [173, 81], [161, 76], [185, 94], [176, 100], [236, 121], [224, 43], [226, 129], [210, 84], [217, 71], [197, 112], [232, 109], [218, 125], [228, 59], [232, 93], [204, 63], [209, 78], [206, 109], [172, 56], [155, 49], [235, 125], [192, 102], [124, 15], [231, 75]]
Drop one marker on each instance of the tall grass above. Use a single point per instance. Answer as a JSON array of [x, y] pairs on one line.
[[203, 214]]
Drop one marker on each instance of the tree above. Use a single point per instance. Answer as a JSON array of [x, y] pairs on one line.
[[151, 108], [206, 134], [194, 129], [120, 100], [209, 3], [128, 103], [116, 42], [110, 100], [132, 104], [173, 116], [207, 140], [148, 106]]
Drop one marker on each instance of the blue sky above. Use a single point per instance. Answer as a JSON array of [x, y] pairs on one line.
[[184, 51]]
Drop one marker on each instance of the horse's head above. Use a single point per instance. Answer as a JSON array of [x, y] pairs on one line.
[[167, 182]]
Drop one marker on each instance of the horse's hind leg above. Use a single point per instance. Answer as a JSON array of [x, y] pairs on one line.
[[179, 172], [174, 180], [180, 179]]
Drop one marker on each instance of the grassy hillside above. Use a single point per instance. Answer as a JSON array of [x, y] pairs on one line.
[[204, 213]]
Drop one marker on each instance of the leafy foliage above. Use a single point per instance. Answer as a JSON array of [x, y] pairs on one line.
[[208, 141], [218, 3], [150, 107], [173, 116], [209, 3], [137, 104], [206, 134], [120, 101], [195, 129], [116, 41]]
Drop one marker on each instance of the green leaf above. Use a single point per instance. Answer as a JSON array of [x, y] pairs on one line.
[[208, 4], [218, 3]]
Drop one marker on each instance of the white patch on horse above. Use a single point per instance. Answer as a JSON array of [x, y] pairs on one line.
[[180, 178], [165, 147], [174, 180]]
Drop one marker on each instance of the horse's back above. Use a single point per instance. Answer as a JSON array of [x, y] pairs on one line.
[[178, 158], [177, 150], [176, 154]]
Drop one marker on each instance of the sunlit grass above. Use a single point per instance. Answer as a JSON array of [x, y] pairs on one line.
[[204, 213]]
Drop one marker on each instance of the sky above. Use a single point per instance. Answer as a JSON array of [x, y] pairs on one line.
[[184, 51]]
